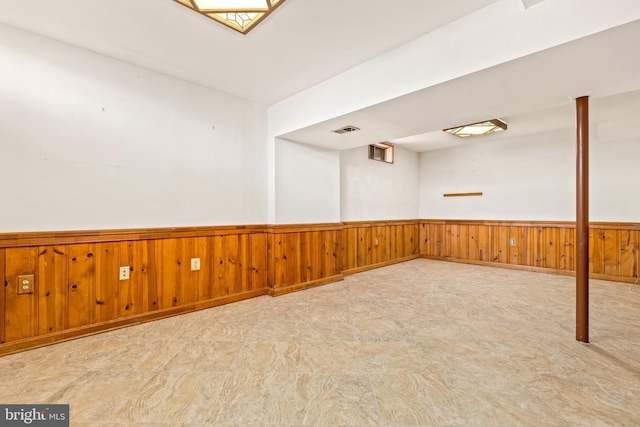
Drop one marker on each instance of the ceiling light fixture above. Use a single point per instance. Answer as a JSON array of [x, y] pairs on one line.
[[346, 129], [240, 15], [476, 129]]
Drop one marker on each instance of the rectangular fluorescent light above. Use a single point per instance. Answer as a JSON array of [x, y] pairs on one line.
[[476, 129]]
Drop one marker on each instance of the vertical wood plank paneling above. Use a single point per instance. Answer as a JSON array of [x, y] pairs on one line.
[[368, 245], [133, 293], [486, 238], [82, 282], [500, 250], [234, 268], [392, 242], [53, 279], [190, 280], [258, 255], [453, 237], [611, 244], [514, 251], [106, 294], [474, 242], [304, 255], [3, 306], [463, 239], [383, 243], [328, 248], [245, 262], [21, 315], [539, 247], [152, 265], [351, 248], [410, 239], [566, 248], [204, 277], [400, 241], [316, 257], [424, 239], [171, 293], [551, 250], [220, 266], [361, 256], [271, 261], [629, 253], [336, 237], [290, 259], [596, 249]]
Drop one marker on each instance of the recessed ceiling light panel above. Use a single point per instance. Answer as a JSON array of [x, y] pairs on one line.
[[476, 129], [240, 15], [346, 129]]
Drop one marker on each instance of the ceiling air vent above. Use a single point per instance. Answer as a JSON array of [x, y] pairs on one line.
[[346, 129]]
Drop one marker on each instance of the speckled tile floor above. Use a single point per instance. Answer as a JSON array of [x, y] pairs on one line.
[[413, 344]]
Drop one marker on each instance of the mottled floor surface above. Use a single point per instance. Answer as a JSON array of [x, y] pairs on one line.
[[418, 343]]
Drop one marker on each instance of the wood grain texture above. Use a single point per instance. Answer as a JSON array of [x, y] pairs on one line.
[[3, 306], [374, 244], [540, 246], [303, 256], [77, 289]]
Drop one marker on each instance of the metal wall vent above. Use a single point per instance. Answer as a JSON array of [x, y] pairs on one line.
[[346, 129]]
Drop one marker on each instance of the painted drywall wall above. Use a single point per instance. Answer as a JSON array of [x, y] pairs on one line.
[[88, 142], [530, 178], [374, 190], [307, 184]]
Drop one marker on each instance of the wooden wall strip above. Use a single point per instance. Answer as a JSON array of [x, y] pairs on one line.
[[462, 194]]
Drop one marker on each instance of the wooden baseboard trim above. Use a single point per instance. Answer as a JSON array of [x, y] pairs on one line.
[[305, 285], [378, 265], [70, 334]]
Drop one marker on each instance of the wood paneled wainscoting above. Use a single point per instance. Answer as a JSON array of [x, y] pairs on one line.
[[543, 246], [378, 243], [302, 256], [77, 289]]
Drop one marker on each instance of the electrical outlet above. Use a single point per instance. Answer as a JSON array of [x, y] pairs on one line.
[[195, 264], [376, 241], [124, 272], [512, 241], [25, 284]]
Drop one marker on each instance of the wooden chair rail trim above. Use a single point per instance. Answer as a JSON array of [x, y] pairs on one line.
[[44, 238], [379, 223], [523, 223]]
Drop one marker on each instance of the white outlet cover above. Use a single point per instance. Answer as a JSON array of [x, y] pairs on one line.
[[124, 272], [195, 264]]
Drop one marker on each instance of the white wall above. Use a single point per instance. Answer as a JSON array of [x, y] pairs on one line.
[[307, 184], [530, 178], [373, 190], [88, 142]]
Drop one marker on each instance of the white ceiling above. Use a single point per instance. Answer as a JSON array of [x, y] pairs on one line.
[[306, 42], [532, 94], [303, 43]]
